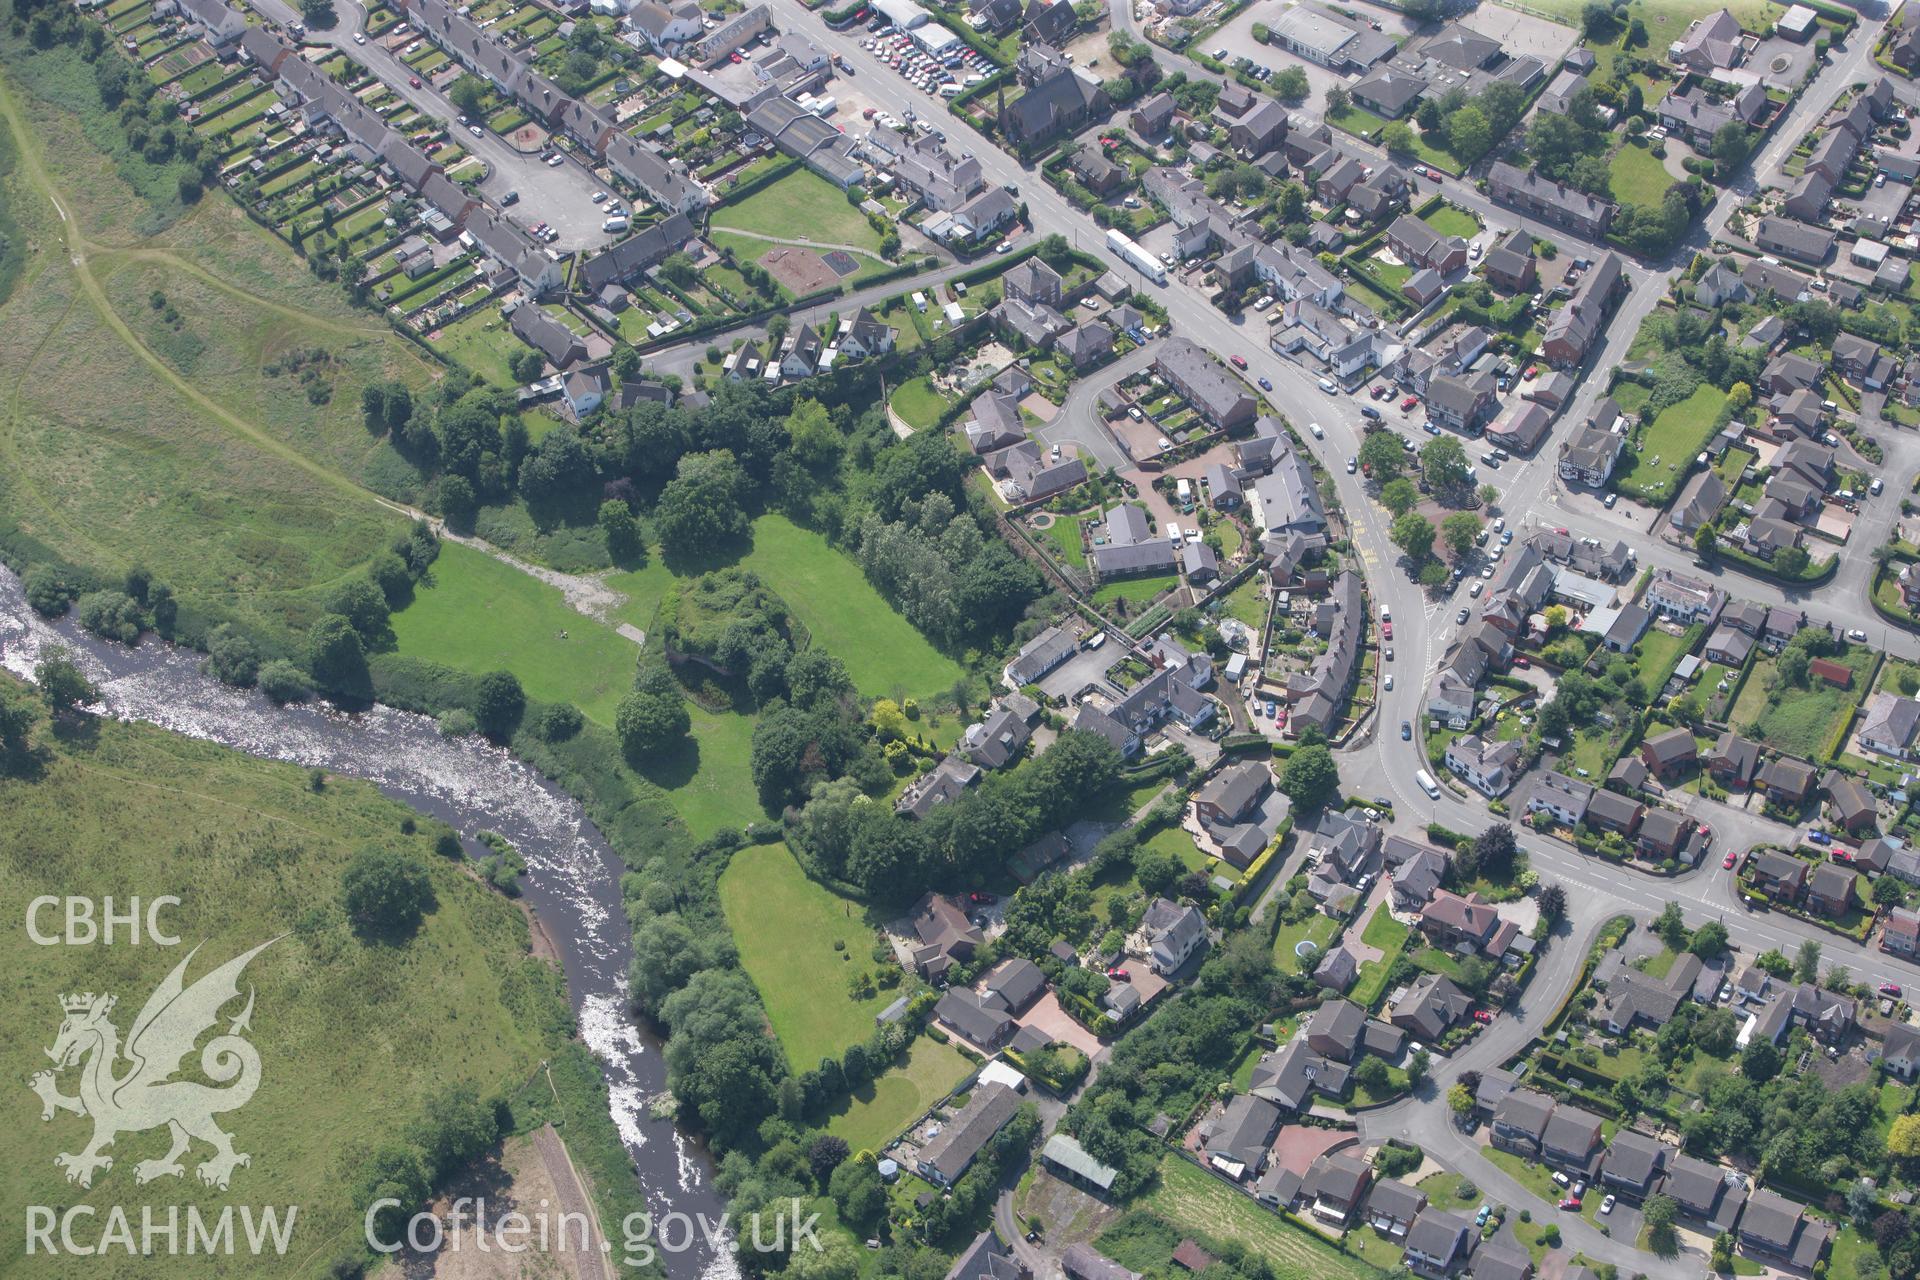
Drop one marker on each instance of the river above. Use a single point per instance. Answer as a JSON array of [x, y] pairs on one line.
[[572, 880]]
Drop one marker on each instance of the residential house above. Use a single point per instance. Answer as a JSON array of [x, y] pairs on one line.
[[1713, 43], [946, 935], [1430, 1007], [1438, 1242], [1830, 889], [947, 1156], [1237, 1142], [1082, 1261], [981, 1023], [1778, 874], [1565, 798], [1571, 330], [1793, 239], [1787, 781], [1683, 598], [1706, 1193], [1774, 1227], [1734, 761], [1611, 811], [1548, 200], [1173, 932], [1634, 1163], [1900, 1050], [1221, 399], [1888, 725], [1852, 804], [1467, 924], [1335, 1186], [1486, 765], [1588, 457], [1509, 265], [1495, 1261], [1520, 1122], [1417, 244], [1572, 1139], [1668, 753], [1393, 1206], [1901, 934]]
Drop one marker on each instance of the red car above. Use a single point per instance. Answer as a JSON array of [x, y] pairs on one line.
[[1533, 371], [1729, 860], [734, 56], [414, 81], [1890, 989], [983, 898], [1408, 403], [1120, 975], [1379, 391], [1482, 1015], [1386, 631], [1239, 362], [1522, 661], [1571, 1202]]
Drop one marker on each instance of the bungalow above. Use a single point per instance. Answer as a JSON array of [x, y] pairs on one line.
[[1809, 244], [943, 1160], [1237, 1142], [1888, 725]]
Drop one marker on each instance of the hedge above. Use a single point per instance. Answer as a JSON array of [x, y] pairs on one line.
[[1251, 877], [1816, 574]]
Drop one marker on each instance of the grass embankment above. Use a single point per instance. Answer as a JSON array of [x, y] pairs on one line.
[[352, 1037]]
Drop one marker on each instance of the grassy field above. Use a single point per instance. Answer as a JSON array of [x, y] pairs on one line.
[[1316, 928], [1638, 177], [802, 205], [481, 615], [1666, 20], [800, 942], [348, 1046], [115, 416], [1801, 722], [880, 1112], [1135, 590], [1194, 1200], [1653, 469], [884, 653]]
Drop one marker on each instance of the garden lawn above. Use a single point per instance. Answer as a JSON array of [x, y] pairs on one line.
[[787, 928], [1316, 928], [1193, 1200], [881, 1111], [1802, 722], [1637, 175], [1450, 221], [884, 653], [1134, 590], [478, 615], [918, 404], [1658, 654], [803, 205], [1666, 449], [1064, 534]]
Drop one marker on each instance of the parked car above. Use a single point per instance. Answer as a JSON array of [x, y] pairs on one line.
[[1386, 630], [1606, 1206], [1482, 1016], [1239, 361], [985, 898], [1819, 837], [1120, 975], [1406, 406], [1890, 989], [1562, 1179]]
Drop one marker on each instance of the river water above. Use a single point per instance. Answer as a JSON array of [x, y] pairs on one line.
[[572, 880]]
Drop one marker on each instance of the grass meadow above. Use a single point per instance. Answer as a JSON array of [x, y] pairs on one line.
[[352, 1038], [882, 1110], [800, 942]]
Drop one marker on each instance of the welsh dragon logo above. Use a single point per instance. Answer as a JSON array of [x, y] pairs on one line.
[[143, 1096]]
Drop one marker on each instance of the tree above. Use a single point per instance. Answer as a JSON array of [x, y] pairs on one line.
[[1399, 496], [1494, 853], [1460, 1101], [62, 684], [1706, 541], [336, 658], [1413, 533], [1444, 464], [1887, 892], [702, 506], [362, 604], [385, 894], [1903, 1139], [1731, 146], [1806, 962], [1709, 940], [1398, 137], [824, 1156], [498, 704], [1671, 927], [1382, 456], [283, 682], [1792, 561], [1553, 903], [1311, 776], [1460, 529], [16, 724], [319, 14], [1339, 101], [653, 714], [1469, 133], [1659, 1212], [625, 546], [1760, 1061], [1290, 84]]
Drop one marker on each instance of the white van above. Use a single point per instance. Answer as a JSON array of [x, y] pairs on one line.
[[1427, 784], [1095, 640], [616, 223], [951, 90]]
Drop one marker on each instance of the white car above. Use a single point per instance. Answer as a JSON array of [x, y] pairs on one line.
[[1606, 1206], [555, 160], [598, 197], [476, 131], [1857, 636], [1389, 681], [359, 37]]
